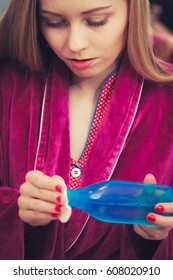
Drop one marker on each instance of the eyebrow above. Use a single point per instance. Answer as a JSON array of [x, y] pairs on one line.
[[83, 13]]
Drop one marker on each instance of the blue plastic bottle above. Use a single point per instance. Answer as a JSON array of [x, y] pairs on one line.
[[120, 201]]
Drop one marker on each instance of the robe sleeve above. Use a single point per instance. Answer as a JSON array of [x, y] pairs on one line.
[[144, 249], [151, 249], [11, 226]]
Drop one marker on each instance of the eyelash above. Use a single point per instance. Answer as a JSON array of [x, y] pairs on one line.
[[97, 23], [63, 24]]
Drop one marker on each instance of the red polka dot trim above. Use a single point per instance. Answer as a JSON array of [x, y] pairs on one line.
[[101, 108]]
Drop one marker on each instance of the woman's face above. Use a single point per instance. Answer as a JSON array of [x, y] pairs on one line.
[[87, 35]]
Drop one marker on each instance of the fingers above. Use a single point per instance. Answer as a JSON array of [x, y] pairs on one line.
[[162, 223], [32, 217], [59, 178], [37, 218], [37, 212], [162, 220], [167, 208], [38, 205], [164, 207], [152, 233], [42, 181], [42, 199], [142, 232], [28, 190]]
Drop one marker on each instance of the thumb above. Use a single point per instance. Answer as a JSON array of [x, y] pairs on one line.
[[149, 179]]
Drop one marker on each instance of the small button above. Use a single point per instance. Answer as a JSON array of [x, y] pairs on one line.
[[76, 172]]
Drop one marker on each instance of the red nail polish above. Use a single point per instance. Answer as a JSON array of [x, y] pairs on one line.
[[151, 218], [58, 199], [159, 208], [54, 216], [58, 208], [58, 189]]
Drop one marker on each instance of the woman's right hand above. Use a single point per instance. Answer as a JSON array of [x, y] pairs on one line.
[[43, 199]]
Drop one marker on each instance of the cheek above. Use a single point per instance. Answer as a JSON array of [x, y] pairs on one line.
[[52, 40], [120, 40], [113, 44], [48, 35], [115, 38]]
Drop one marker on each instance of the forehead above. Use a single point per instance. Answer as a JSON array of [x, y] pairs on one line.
[[79, 6]]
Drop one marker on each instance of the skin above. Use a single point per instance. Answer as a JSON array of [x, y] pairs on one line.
[[43, 198], [62, 34]]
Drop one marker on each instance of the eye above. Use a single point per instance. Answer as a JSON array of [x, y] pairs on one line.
[[54, 23], [97, 23], [59, 24]]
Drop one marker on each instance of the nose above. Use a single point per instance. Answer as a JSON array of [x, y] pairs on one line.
[[77, 39]]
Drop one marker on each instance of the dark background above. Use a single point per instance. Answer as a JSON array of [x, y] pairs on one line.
[[167, 15]]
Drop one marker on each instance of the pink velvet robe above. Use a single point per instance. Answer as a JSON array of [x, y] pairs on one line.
[[135, 138]]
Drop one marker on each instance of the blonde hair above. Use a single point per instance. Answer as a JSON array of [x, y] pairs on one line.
[[140, 43], [19, 36], [21, 40]]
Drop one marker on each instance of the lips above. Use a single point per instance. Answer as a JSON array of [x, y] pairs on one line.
[[81, 64]]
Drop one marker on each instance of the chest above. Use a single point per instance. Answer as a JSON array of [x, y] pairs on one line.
[[81, 114], [87, 111]]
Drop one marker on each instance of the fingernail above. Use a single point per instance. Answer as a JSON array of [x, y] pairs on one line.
[[58, 189], [58, 199], [159, 208], [58, 208], [54, 216], [151, 218]]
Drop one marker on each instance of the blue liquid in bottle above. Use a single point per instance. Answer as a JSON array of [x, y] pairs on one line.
[[120, 201]]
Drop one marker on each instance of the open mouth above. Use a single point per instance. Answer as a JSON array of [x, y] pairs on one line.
[[81, 64]]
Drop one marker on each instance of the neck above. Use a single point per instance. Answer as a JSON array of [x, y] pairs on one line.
[[89, 84], [86, 84]]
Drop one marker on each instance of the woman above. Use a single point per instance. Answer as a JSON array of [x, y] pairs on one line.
[[83, 100]]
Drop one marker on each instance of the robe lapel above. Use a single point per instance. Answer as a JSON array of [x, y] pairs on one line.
[[111, 137], [53, 154]]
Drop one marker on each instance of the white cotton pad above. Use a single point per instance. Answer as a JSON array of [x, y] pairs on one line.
[[65, 216]]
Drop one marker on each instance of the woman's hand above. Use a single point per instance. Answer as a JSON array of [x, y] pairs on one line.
[[164, 223], [43, 199]]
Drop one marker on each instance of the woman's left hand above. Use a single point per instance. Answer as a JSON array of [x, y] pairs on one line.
[[163, 223]]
